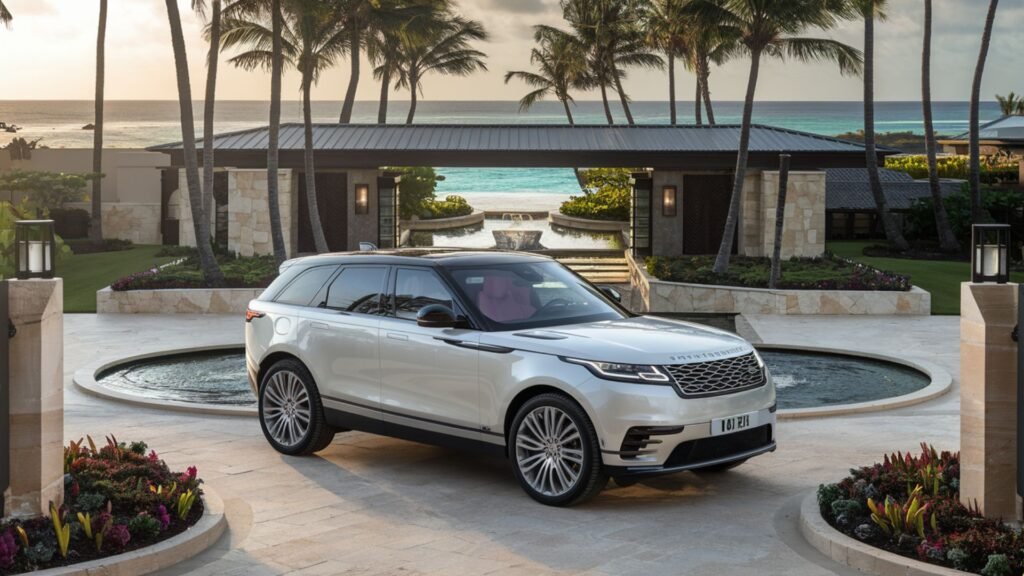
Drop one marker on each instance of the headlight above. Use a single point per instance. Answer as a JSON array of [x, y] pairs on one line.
[[623, 372]]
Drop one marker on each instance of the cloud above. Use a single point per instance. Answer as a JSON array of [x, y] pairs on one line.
[[30, 7]]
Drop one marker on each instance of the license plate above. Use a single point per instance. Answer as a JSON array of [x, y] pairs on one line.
[[720, 426]]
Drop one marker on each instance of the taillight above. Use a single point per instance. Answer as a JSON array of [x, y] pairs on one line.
[[250, 314]]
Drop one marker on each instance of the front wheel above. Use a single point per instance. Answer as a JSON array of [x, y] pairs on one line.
[[291, 412], [555, 452]]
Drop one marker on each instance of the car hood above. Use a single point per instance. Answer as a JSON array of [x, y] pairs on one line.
[[639, 340]]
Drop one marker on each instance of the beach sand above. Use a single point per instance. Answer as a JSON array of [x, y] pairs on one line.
[[513, 201]]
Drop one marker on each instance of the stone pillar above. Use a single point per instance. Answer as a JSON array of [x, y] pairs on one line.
[[37, 397], [988, 399]]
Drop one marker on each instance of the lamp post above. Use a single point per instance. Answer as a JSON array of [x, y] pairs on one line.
[[34, 249], [990, 254]]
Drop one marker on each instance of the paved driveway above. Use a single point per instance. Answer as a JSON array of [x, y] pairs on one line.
[[372, 505]]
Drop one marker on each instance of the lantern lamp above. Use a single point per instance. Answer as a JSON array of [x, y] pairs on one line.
[[668, 201], [362, 198], [34, 249], [990, 255]]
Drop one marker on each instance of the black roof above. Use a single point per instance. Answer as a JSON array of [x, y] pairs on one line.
[[1007, 129], [849, 189], [531, 145]]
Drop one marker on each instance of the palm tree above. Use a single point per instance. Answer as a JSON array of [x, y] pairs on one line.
[[668, 29], [5, 15], [973, 148], [385, 51], [445, 50], [561, 67], [200, 223], [710, 44], [384, 43], [312, 39], [947, 239], [870, 9], [1011, 104], [769, 29], [209, 101], [96, 221]]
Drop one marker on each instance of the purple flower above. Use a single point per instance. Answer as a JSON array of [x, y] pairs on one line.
[[119, 536], [8, 549], [163, 517]]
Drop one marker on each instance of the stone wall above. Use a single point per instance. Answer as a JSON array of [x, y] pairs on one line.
[[656, 296], [129, 175], [363, 227], [803, 231], [138, 222], [176, 301], [249, 213]]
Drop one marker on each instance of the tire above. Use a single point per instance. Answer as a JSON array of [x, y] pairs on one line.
[[553, 473], [719, 468], [287, 393]]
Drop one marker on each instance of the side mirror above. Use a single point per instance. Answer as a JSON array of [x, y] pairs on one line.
[[436, 316], [611, 293]]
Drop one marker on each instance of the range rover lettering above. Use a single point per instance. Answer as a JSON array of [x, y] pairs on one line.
[[511, 353]]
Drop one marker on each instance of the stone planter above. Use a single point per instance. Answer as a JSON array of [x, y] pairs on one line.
[[586, 223], [176, 301], [444, 223]]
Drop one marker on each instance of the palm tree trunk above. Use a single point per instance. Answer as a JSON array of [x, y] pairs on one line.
[[974, 150], [607, 108], [413, 87], [568, 111], [706, 91], [354, 42], [200, 223], [96, 222], [623, 99], [208, 107], [273, 136], [725, 248], [947, 240], [892, 231], [385, 91], [780, 219], [672, 87], [696, 104], [319, 240]]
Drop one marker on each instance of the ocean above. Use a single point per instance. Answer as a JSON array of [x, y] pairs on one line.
[[137, 124]]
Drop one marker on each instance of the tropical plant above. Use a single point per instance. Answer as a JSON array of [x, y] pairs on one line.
[[200, 222], [872, 10], [444, 49], [709, 44], [770, 29], [418, 185], [606, 195], [312, 39], [44, 191], [669, 29], [1011, 104], [185, 501], [213, 31], [561, 67], [896, 519], [973, 144], [452, 206], [5, 15], [61, 529], [96, 222], [947, 239]]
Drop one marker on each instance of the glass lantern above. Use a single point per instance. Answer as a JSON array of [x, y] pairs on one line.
[[34, 249], [990, 253]]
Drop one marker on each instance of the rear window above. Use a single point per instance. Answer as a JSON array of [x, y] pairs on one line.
[[302, 290]]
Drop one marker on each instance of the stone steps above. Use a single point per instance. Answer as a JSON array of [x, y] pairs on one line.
[[599, 270]]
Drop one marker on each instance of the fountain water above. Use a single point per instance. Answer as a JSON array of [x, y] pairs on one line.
[[514, 238]]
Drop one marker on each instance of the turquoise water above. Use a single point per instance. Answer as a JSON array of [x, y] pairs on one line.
[[136, 124]]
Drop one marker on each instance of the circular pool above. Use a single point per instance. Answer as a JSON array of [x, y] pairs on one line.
[[804, 379]]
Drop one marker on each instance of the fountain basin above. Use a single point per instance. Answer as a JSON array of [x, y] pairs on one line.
[[517, 239]]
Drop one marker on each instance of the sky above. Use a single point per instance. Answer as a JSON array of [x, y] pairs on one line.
[[48, 53]]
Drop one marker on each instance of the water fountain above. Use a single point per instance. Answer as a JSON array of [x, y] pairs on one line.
[[516, 238]]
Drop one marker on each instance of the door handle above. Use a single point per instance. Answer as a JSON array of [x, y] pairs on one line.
[[319, 325], [395, 336], [474, 345]]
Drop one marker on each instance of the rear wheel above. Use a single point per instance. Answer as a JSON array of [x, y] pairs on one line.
[[555, 452], [291, 412]]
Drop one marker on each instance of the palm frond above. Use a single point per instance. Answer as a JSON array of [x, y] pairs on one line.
[[849, 59], [5, 15]]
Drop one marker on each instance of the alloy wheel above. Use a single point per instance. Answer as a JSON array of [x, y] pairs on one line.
[[286, 408], [549, 451]]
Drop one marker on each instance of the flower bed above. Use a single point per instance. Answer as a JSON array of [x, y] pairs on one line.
[[910, 505], [117, 498], [253, 272], [826, 273]]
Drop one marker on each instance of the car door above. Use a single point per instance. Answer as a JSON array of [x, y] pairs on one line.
[[341, 337], [429, 375]]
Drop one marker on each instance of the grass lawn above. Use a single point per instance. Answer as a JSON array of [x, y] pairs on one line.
[[940, 278], [84, 274]]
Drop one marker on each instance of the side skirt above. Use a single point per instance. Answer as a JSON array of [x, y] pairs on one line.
[[344, 419]]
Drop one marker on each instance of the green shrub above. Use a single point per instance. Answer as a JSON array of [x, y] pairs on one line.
[[827, 495], [450, 207], [606, 195], [417, 189], [1003, 204], [997, 565], [253, 272], [144, 527], [994, 169]]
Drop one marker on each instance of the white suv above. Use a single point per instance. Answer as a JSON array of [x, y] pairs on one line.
[[507, 352]]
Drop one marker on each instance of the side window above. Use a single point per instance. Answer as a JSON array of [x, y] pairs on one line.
[[302, 290], [357, 289], [415, 289]]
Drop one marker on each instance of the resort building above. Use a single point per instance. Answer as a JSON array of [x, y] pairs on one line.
[[1001, 136]]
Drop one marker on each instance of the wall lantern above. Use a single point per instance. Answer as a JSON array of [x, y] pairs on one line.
[[34, 249], [362, 198], [668, 201], [991, 253]]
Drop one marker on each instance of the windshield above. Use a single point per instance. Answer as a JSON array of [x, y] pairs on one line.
[[531, 295]]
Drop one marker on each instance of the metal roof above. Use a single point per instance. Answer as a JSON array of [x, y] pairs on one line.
[[1007, 128], [848, 189], [533, 145]]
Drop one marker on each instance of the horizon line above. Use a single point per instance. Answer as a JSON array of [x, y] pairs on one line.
[[394, 101]]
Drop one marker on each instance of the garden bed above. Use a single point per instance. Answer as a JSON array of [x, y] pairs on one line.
[[118, 498], [910, 506], [252, 272]]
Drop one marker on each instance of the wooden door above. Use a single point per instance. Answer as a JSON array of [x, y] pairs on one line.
[[705, 205], [332, 201]]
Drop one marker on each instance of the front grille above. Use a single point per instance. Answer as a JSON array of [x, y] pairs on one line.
[[716, 447], [717, 376]]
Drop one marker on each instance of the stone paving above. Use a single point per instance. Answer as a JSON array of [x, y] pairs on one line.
[[372, 505]]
